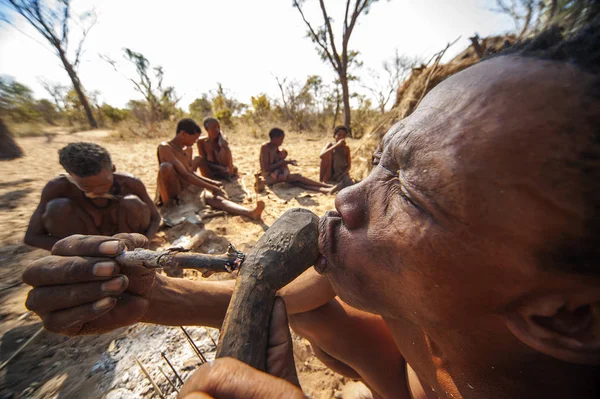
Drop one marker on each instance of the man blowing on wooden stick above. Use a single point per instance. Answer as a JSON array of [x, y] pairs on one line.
[[467, 265], [177, 172], [90, 199]]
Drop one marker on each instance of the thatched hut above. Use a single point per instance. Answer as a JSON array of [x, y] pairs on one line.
[[8, 147]]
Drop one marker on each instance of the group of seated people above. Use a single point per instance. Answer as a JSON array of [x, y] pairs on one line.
[[92, 198], [466, 265]]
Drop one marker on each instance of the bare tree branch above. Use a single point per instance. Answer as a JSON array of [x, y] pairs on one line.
[[336, 56], [315, 36]]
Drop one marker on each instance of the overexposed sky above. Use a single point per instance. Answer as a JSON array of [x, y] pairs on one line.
[[241, 43]]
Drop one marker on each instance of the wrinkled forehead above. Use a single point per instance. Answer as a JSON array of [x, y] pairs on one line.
[[498, 111], [496, 126]]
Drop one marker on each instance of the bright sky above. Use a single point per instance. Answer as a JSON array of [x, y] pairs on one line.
[[241, 43]]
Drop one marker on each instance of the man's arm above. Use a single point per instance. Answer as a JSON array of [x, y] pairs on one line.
[[36, 234], [138, 188], [184, 302], [327, 149], [167, 155], [348, 160]]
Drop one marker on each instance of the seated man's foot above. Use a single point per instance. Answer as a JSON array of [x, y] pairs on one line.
[[257, 212], [336, 188]]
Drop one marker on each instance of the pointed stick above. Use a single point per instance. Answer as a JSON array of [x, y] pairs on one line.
[[210, 336], [172, 368], [191, 342], [21, 348], [168, 380], [156, 388]]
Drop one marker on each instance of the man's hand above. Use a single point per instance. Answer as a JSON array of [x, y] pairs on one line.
[[292, 162], [80, 289], [230, 378]]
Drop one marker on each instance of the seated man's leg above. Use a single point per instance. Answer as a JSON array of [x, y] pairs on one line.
[[201, 165], [134, 215], [64, 217], [308, 184], [169, 185], [219, 202], [367, 348]]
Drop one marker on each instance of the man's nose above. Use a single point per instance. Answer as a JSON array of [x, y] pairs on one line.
[[351, 205]]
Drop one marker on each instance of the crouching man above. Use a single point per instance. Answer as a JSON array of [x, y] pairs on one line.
[[90, 199]]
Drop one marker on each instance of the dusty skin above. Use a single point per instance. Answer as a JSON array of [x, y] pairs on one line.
[[54, 364]]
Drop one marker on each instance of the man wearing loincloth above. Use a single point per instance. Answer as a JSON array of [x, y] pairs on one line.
[[176, 173], [216, 159], [467, 265], [90, 199], [335, 160], [274, 165]]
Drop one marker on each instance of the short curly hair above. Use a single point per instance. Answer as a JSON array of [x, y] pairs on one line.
[[84, 159], [189, 126], [575, 254]]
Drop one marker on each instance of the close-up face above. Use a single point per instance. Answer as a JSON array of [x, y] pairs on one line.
[[340, 135], [467, 193], [94, 186]]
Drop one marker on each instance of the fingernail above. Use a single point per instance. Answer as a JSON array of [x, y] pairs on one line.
[[116, 284], [110, 248], [103, 303], [104, 269]]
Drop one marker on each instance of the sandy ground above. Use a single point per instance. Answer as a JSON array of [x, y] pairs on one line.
[[53, 366]]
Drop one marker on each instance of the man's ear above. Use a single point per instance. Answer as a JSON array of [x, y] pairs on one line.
[[565, 326]]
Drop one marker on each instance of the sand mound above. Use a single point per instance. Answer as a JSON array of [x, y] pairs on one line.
[[409, 94]]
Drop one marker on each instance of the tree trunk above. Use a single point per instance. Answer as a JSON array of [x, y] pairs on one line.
[[346, 99], [77, 86]]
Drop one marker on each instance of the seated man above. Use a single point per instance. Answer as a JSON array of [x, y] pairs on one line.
[[467, 265], [90, 199], [335, 160], [176, 173], [274, 166], [217, 162]]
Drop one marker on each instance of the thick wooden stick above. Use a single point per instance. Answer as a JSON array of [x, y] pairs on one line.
[[287, 249]]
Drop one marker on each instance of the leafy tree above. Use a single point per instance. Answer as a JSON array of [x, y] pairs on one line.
[[161, 102], [47, 111], [201, 107], [53, 21], [261, 108], [16, 101], [224, 105], [337, 54]]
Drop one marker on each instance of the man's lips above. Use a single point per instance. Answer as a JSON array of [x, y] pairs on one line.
[[328, 225]]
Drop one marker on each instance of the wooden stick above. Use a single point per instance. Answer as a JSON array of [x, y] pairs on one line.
[[171, 366], [210, 336], [287, 249], [193, 345], [156, 387], [206, 264], [21, 348], [168, 380]]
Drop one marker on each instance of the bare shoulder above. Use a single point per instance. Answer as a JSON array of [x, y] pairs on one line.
[[129, 183], [60, 186]]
